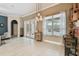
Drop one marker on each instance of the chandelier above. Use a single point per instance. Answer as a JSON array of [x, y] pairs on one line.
[[38, 12]]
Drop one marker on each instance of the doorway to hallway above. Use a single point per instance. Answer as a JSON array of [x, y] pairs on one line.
[[14, 28]]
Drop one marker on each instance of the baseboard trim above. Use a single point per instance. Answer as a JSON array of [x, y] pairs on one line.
[[53, 42]]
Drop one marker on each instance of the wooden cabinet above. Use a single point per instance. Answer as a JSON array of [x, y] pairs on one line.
[[72, 43], [38, 36]]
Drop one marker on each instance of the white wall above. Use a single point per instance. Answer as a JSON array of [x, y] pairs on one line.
[[25, 28], [21, 22], [10, 18]]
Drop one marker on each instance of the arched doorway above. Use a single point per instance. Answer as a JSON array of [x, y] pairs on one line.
[[14, 28]]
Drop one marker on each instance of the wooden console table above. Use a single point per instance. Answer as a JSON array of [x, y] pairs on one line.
[[38, 36]]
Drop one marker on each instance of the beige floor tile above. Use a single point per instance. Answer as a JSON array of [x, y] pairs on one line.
[[29, 47]]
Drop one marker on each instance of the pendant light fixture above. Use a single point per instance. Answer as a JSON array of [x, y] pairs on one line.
[[38, 12]]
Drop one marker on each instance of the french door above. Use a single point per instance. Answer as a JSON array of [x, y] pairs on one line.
[[29, 28]]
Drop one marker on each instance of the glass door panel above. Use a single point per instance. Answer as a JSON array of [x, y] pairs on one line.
[[59, 24], [32, 28], [47, 25]]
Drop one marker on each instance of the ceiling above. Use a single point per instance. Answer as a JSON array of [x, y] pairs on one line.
[[20, 9]]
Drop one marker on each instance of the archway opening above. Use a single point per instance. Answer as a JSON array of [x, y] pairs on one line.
[[14, 28]]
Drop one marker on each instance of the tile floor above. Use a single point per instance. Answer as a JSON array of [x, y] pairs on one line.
[[29, 47]]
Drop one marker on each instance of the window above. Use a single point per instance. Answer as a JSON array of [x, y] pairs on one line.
[[55, 25], [47, 26]]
